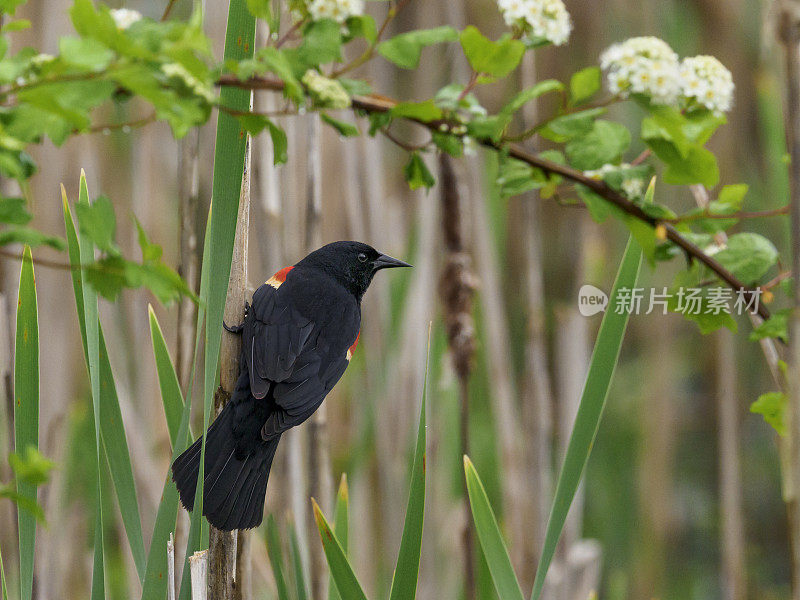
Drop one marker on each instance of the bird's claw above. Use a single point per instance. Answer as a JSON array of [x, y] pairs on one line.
[[237, 328]]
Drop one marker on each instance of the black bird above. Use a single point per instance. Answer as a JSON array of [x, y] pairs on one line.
[[297, 340]]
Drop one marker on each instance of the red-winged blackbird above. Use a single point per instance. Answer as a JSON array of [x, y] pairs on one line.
[[297, 340]]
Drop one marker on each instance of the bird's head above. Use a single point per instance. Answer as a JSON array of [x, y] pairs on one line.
[[353, 264]]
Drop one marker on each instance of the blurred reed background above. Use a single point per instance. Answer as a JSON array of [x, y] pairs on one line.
[[682, 496]]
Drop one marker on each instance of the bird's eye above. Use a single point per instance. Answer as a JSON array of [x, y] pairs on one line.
[[362, 257]]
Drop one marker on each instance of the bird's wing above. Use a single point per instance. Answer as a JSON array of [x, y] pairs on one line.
[[274, 335], [294, 359]]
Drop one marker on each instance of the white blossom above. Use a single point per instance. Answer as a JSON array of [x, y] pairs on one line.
[[542, 19], [338, 10], [633, 188], [706, 80], [643, 65], [125, 17]]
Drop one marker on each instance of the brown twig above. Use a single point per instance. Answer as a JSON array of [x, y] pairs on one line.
[[381, 104], [398, 142], [369, 53], [758, 214], [521, 137], [42, 262], [289, 33], [168, 9], [102, 127], [457, 284]]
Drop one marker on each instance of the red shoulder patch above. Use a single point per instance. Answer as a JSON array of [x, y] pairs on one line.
[[352, 348], [279, 277]]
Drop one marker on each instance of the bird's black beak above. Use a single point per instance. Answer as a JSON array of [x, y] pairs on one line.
[[387, 262]]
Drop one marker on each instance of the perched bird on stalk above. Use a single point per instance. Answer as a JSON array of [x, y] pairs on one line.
[[297, 339]]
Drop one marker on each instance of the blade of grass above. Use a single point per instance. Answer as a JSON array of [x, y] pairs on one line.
[[26, 410], [112, 429], [343, 576], [155, 581], [92, 328], [341, 524], [275, 553], [194, 525], [3, 586], [404, 581], [490, 538], [229, 155], [300, 582], [587, 421], [171, 395]]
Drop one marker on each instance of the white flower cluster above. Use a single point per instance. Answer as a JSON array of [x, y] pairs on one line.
[[707, 81], [125, 17], [338, 10], [632, 187], [643, 65], [648, 66], [546, 19]]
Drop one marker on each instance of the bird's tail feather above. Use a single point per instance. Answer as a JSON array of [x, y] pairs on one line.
[[235, 482]]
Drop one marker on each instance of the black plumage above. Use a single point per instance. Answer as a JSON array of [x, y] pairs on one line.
[[297, 339]]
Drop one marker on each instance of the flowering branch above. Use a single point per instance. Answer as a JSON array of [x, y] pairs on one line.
[[382, 104]]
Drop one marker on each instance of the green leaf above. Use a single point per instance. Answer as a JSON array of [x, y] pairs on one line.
[[362, 26], [590, 411], [599, 208], [343, 127], [490, 538], [177, 416], [343, 576], [451, 144], [26, 411], [604, 144], [229, 156], [731, 197], [404, 580], [18, 25], [24, 503], [255, 124], [8, 7], [405, 49], [275, 554], [687, 163], [564, 128], [773, 407], [522, 98], [30, 237], [340, 527], [300, 583], [774, 327], [419, 111], [496, 59], [417, 174], [584, 84], [98, 223], [85, 53], [111, 427], [261, 9], [277, 63], [3, 587], [322, 43], [748, 256], [31, 467], [14, 211], [87, 313]]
